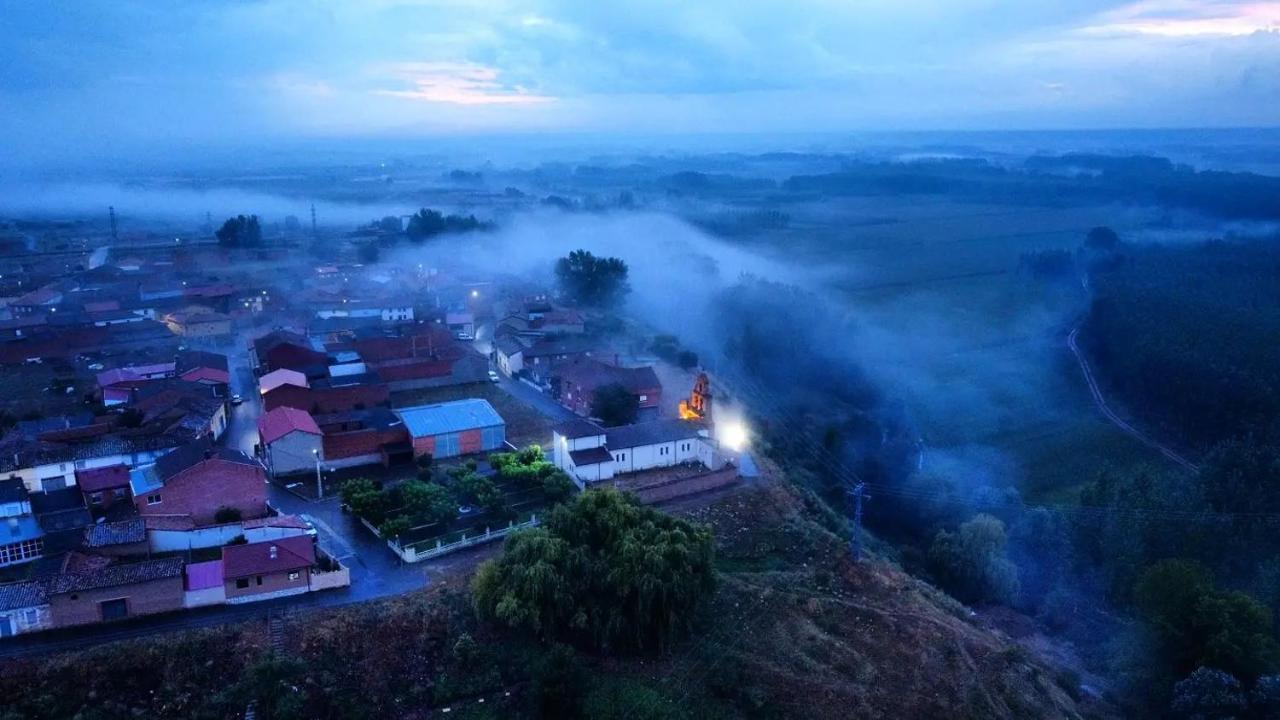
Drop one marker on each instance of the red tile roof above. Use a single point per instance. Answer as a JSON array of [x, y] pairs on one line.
[[104, 478], [284, 420], [290, 553]]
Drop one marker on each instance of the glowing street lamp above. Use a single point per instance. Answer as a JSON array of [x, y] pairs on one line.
[[735, 436]]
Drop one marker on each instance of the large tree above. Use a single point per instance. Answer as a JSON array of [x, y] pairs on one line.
[[428, 223], [591, 280], [615, 405], [603, 571], [240, 231]]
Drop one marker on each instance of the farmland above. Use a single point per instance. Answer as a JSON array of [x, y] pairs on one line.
[[973, 348]]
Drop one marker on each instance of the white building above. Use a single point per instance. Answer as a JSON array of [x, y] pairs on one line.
[[363, 309], [590, 453]]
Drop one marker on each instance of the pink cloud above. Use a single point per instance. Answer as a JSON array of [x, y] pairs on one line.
[[1185, 18], [458, 84]]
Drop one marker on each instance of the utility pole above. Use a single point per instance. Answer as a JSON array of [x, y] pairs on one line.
[[111, 211], [319, 479], [859, 493], [314, 235]]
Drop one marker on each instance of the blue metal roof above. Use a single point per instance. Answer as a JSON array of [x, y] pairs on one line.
[[450, 417]]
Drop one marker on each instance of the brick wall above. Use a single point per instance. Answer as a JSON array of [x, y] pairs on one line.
[[200, 490], [81, 608], [680, 487]]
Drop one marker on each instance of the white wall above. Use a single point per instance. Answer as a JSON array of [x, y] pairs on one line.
[[213, 536], [510, 365], [292, 453]]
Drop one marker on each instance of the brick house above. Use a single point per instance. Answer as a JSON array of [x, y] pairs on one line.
[[102, 487], [197, 480], [330, 395], [283, 349], [364, 437], [115, 592], [269, 569], [579, 381], [202, 367]]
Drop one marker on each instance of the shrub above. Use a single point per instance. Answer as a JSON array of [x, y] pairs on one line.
[[971, 563], [394, 528]]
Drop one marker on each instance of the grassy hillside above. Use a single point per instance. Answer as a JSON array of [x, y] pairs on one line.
[[795, 630]]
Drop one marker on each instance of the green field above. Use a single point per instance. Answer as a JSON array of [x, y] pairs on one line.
[[950, 327]]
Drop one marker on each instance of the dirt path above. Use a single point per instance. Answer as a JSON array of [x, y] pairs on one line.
[[1107, 412]]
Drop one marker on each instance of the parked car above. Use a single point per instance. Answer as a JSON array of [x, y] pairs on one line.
[[236, 400], [311, 524], [494, 377], [464, 336]]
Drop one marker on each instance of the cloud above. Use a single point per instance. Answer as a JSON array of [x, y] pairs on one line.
[[459, 84], [1186, 18]]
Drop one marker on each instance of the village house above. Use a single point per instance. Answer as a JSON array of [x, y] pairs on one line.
[[21, 537], [24, 607], [326, 395], [115, 592], [103, 487], [538, 358], [199, 480], [577, 383], [63, 517], [374, 436], [428, 358], [291, 441], [205, 368], [48, 460], [198, 322], [590, 453], [288, 350], [266, 570]]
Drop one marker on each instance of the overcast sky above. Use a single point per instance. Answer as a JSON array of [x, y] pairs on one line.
[[78, 73]]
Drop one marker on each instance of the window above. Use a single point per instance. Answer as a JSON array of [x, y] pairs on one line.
[[293, 575], [644, 398], [242, 583], [20, 551], [31, 615], [119, 492], [153, 499], [95, 497], [259, 579]]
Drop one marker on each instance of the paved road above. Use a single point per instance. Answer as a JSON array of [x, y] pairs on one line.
[[1107, 412], [539, 401]]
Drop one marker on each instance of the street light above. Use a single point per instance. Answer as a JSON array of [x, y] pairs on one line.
[[319, 479]]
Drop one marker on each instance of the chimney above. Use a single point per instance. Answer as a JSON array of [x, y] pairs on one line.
[[274, 552]]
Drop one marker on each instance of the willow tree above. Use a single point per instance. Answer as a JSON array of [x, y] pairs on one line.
[[604, 572]]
